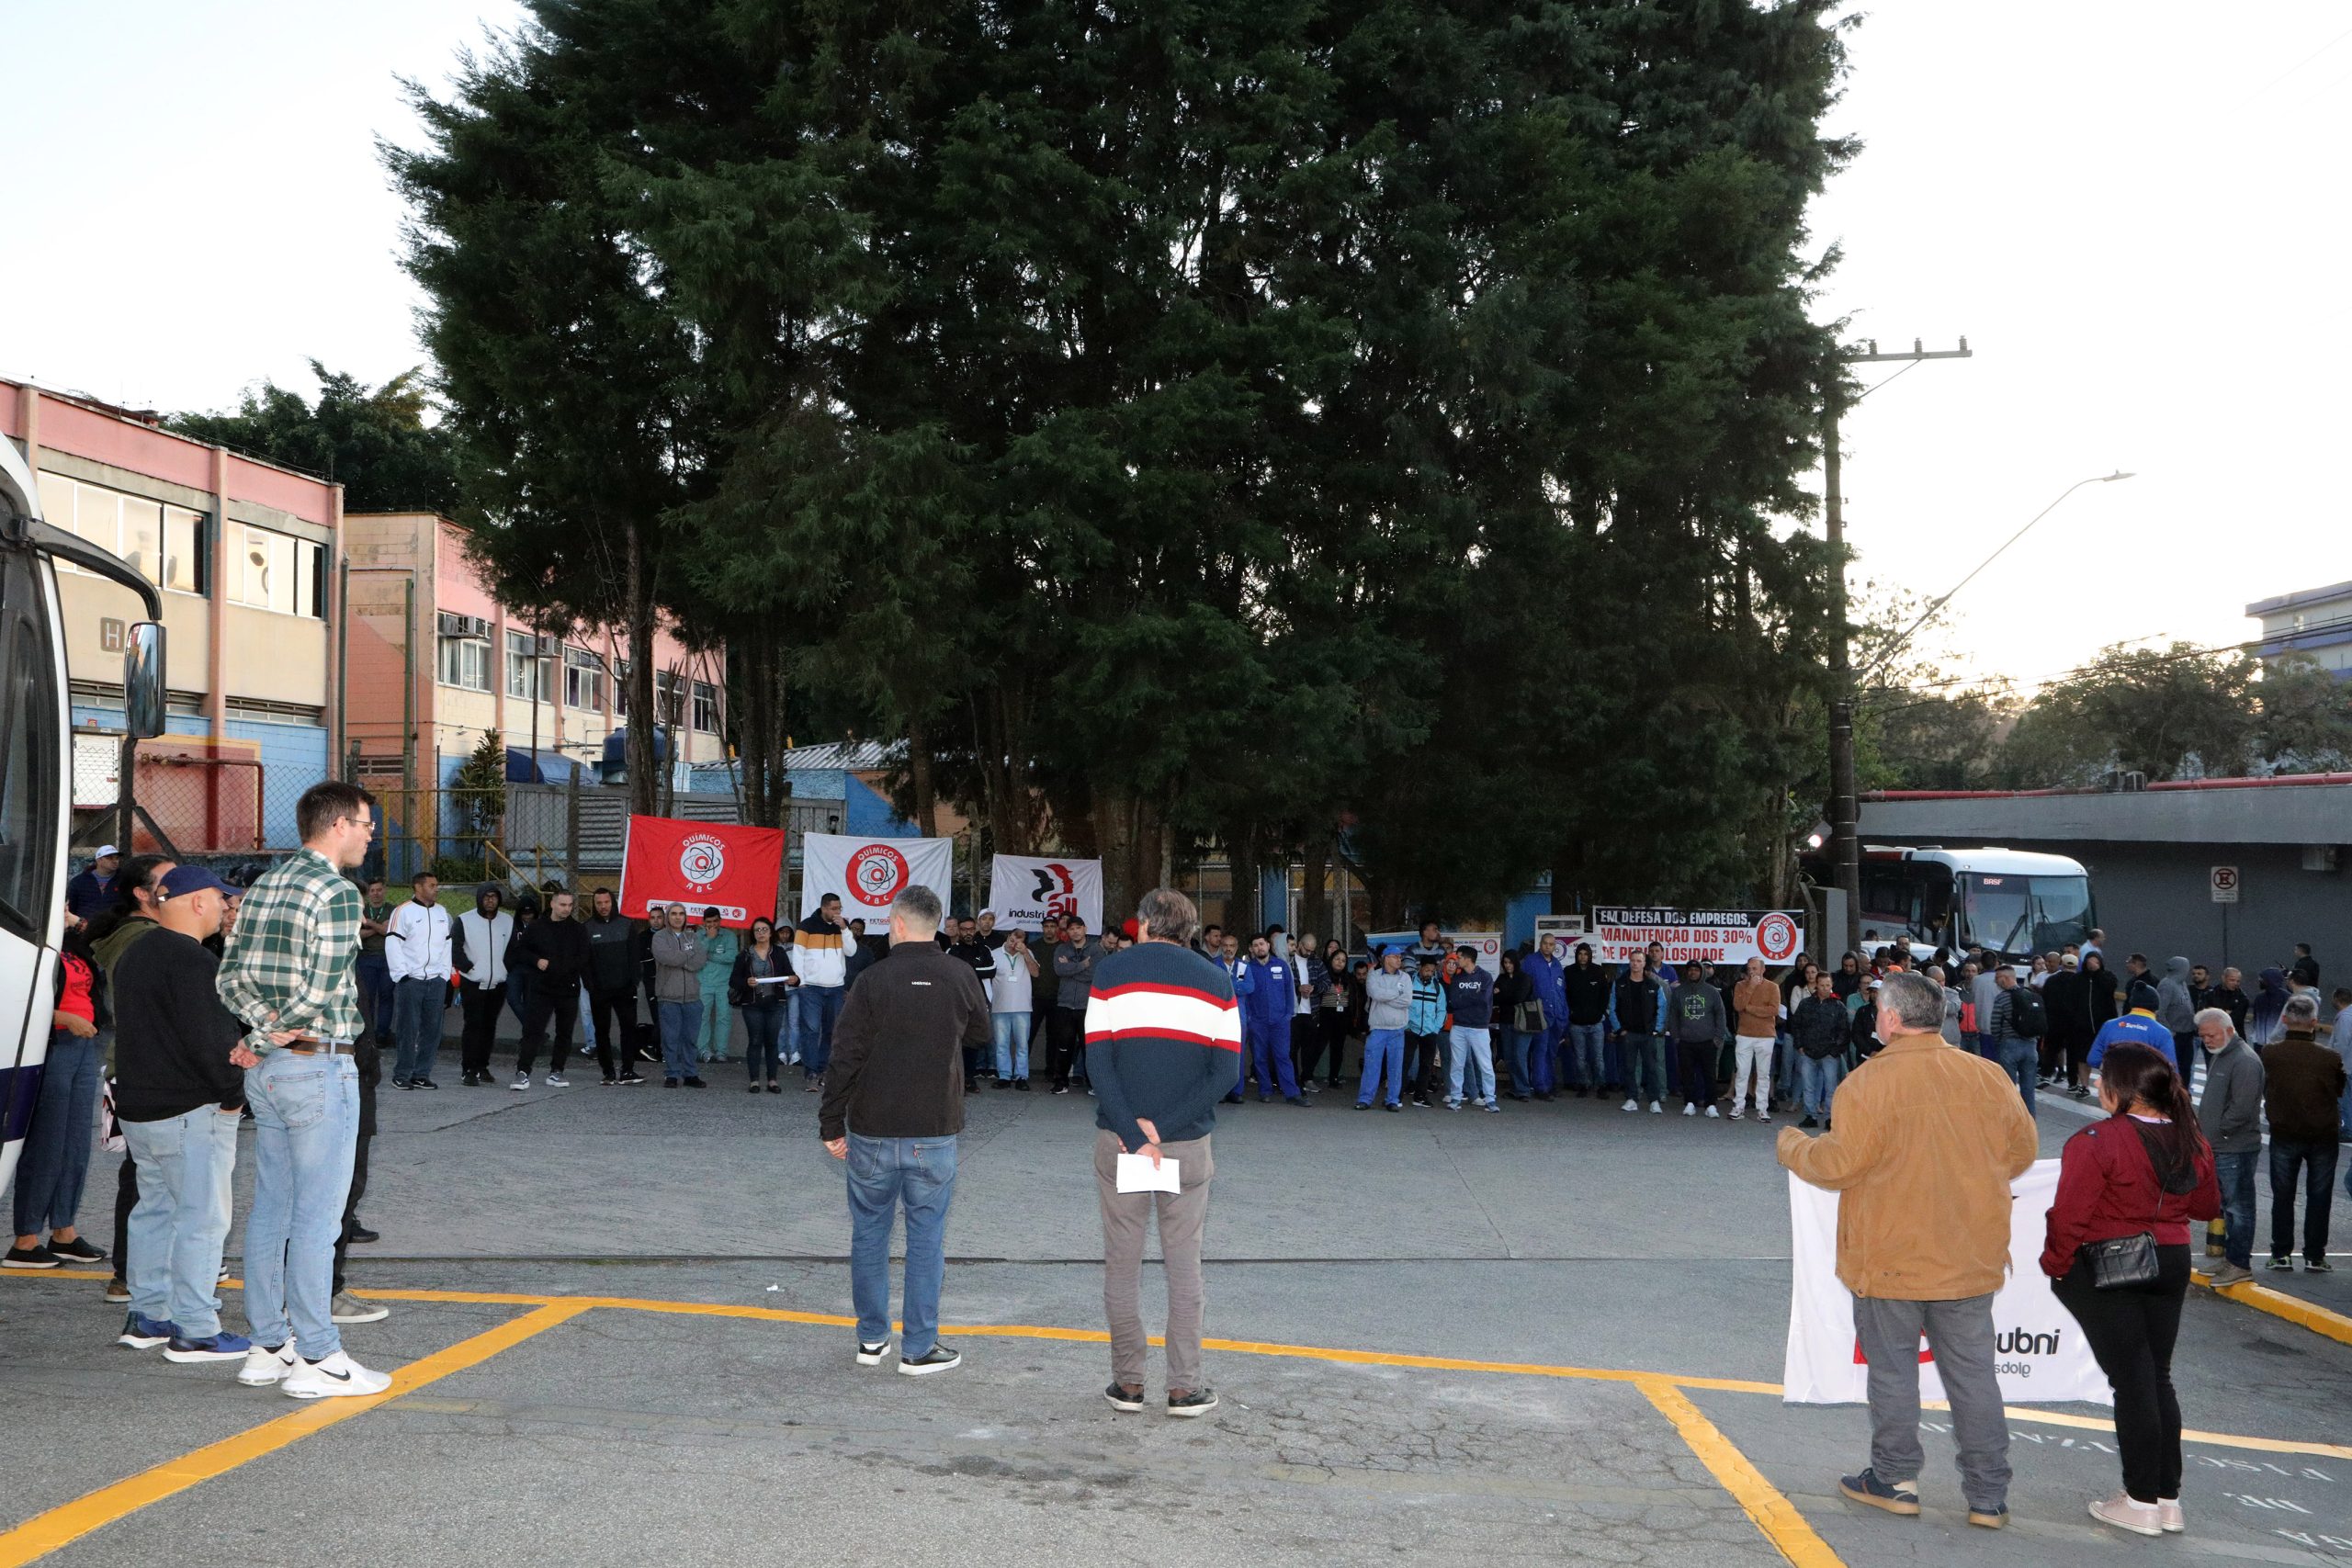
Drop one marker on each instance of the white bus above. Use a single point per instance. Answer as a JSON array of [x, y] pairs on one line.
[[36, 778], [2013, 902]]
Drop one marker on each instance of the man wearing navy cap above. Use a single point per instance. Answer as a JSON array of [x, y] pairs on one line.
[[179, 1099]]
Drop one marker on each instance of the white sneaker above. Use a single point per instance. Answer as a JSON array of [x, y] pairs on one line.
[[337, 1377], [2168, 1514], [1764, 1116], [265, 1366], [1736, 1114], [1630, 1105], [557, 1080], [1656, 1109], [1689, 1109], [1712, 1114], [2139, 1518], [522, 1081]]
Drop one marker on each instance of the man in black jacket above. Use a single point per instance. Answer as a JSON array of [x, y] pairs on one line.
[[893, 1104], [550, 954], [614, 946], [179, 1099]]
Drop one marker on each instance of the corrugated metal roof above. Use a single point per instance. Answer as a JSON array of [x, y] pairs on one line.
[[858, 756]]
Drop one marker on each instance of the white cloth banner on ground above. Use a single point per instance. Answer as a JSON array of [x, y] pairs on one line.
[[2039, 1351], [869, 872], [1027, 890]]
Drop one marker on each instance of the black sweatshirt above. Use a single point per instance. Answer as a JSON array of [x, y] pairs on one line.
[[173, 1036], [563, 944], [898, 1063]]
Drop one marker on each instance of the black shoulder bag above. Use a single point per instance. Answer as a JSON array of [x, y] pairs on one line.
[[2125, 1262]]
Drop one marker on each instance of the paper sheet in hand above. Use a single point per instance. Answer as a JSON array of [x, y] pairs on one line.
[[1135, 1175], [771, 979]]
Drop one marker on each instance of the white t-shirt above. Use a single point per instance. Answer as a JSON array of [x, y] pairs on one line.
[[1010, 990]]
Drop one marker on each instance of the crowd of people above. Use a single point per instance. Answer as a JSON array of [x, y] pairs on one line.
[[185, 1005]]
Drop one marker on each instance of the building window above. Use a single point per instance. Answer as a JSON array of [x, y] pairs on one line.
[[465, 662], [706, 707], [527, 676], [583, 679], [165, 543], [270, 570]]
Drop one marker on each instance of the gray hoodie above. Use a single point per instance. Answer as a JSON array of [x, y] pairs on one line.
[[1388, 999], [1694, 1012], [2176, 1008]]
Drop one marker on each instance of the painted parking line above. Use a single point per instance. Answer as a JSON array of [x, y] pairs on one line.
[[45, 1534], [1765, 1504], [2279, 1304]]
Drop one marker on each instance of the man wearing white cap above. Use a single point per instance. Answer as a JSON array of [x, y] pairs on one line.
[[91, 892]]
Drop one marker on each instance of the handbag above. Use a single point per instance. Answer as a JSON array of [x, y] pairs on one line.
[[2125, 1262], [1528, 1017]]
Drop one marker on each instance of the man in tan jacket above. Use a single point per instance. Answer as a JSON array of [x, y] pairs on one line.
[[1928, 1139], [1756, 1013]]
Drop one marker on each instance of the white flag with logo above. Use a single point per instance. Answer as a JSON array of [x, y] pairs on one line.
[[869, 872], [2039, 1351], [1028, 890]]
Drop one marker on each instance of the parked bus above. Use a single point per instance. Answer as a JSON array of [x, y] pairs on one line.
[[2013, 902], [35, 771]]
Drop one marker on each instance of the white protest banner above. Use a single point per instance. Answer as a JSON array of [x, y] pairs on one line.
[[1028, 890], [869, 872], [1711, 936], [2039, 1351]]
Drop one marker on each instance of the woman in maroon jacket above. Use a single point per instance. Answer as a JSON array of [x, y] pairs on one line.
[[2146, 1169]]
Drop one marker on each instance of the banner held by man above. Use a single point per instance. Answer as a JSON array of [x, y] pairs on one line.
[[1026, 891], [703, 865], [869, 872]]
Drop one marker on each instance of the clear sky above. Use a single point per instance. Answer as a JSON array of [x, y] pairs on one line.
[[2136, 211]]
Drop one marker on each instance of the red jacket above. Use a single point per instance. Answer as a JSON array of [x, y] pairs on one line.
[[2108, 1187]]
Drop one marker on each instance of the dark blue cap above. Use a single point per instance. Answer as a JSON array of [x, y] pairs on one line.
[[193, 879]]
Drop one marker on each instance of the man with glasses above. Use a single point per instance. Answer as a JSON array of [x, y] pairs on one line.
[[286, 974]]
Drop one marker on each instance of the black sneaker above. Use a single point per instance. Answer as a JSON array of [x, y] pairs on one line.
[[423, 1083], [361, 1235], [871, 1355], [1808, 1123], [774, 1088], [402, 1083], [1868, 1488], [1363, 1105], [78, 1250], [465, 1081], [1123, 1398], [669, 1083], [2284, 1265], [2318, 1266], [1020, 1084], [695, 1082], [30, 1257], [631, 1077], [1393, 1105], [1191, 1402], [938, 1359], [1294, 1099]]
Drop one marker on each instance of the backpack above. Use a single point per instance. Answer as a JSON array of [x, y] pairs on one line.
[[2028, 1018]]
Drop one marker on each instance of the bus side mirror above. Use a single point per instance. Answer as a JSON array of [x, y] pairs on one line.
[[142, 681]]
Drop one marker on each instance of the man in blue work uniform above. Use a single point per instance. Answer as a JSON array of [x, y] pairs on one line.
[[1543, 968], [1267, 993]]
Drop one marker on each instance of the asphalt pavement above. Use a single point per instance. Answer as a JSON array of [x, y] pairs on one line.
[[1554, 1332]]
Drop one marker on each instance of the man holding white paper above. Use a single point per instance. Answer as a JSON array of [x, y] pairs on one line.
[[1163, 1042]]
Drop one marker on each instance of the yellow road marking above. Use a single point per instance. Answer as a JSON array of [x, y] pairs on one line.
[[1774, 1513], [2279, 1304], [45, 1534]]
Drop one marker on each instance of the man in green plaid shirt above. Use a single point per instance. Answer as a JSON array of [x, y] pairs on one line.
[[287, 972]]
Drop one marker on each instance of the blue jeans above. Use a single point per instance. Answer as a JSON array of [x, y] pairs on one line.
[[417, 1007], [819, 1007], [171, 1260], [763, 1027], [1645, 1060], [1473, 1052], [1582, 1062], [1515, 1048], [306, 1130], [56, 1155], [2315, 1163], [1817, 1078], [375, 978], [2236, 1174], [1009, 1032], [884, 1174], [681, 1022], [2021, 1059], [1383, 1067]]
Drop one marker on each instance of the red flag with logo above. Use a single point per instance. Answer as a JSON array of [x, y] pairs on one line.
[[702, 865]]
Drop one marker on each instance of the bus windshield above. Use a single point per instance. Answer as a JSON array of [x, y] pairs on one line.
[[2011, 913]]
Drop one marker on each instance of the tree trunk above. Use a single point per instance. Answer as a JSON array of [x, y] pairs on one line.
[[919, 780], [1126, 839], [1314, 900], [644, 766], [1241, 911]]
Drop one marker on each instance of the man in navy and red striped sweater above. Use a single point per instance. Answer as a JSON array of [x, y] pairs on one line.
[[1163, 1041]]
